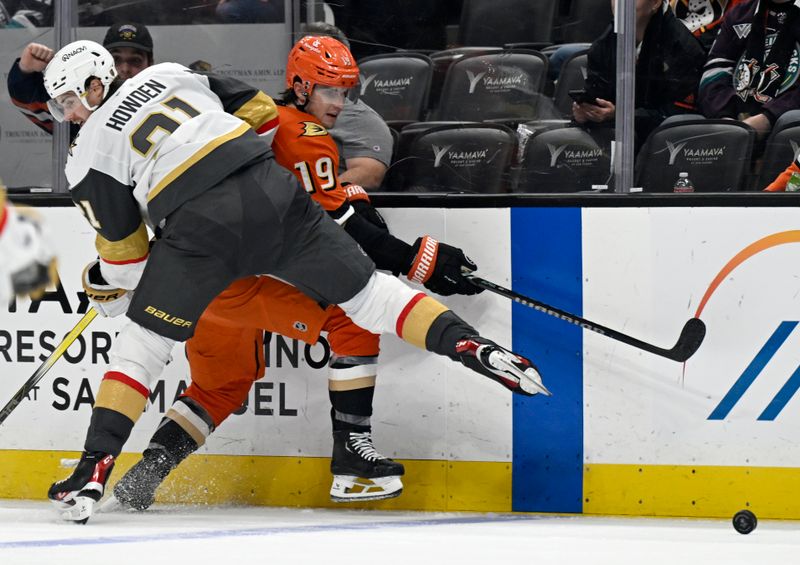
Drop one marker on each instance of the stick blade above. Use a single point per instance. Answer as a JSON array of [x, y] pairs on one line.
[[692, 335]]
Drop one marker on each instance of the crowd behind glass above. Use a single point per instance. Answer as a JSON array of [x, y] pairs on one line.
[[504, 96]]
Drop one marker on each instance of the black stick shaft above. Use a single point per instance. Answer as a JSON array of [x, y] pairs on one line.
[[688, 342], [47, 364]]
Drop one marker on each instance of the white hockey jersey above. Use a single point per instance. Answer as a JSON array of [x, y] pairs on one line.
[[165, 136]]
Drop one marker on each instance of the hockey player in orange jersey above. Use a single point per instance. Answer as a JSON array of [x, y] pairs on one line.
[[221, 354]]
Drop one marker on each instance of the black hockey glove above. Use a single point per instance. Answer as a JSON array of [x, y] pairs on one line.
[[440, 266], [367, 211]]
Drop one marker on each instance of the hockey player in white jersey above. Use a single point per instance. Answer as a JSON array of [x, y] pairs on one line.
[[27, 261], [188, 156]]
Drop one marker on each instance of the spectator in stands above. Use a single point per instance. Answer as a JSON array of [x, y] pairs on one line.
[[250, 11], [26, 13], [364, 140], [668, 67], [130, 44], [702, 17], [752, 70]]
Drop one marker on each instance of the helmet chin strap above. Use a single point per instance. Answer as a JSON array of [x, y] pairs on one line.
[[84, 98]]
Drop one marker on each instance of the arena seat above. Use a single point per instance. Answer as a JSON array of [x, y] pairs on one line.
[[565, 159], [505, 85], [442, 60], [586, 21], [461, 158], [715, 153], [498, 22], [782, 148], [396, 85]]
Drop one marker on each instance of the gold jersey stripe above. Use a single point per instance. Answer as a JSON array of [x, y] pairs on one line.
[[419, 320], [352, 384], [257, 111], [206, 149], [133, 247], [116, 395]]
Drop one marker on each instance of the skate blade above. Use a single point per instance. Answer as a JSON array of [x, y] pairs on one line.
[[79, 510], [529, 384], [358, 489]]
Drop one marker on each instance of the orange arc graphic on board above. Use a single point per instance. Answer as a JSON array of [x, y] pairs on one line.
[[791, 236]]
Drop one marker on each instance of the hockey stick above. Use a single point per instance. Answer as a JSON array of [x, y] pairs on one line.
[[688, 342], [48, 363]]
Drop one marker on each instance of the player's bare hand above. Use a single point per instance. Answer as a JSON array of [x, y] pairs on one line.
[[35, 57]]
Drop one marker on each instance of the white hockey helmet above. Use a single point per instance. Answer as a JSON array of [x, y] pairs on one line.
[[71, 67]]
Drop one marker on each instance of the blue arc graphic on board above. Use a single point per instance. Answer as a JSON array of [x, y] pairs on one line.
[[748, 377]]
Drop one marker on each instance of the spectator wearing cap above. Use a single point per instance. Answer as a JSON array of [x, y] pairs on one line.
[[132, 48], [130, 44]]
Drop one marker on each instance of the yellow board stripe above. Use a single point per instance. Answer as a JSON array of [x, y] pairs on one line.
[[133, 247], [257, 111], [419, 320], [692, 491], [206, 149], [117, 396], [293, 481]]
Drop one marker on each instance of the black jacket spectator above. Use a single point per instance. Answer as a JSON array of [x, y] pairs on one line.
[[668, 69]]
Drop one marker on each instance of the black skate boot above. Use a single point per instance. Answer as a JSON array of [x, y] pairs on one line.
[[360, 472], [137, 488], [76, 495], [513, 371]]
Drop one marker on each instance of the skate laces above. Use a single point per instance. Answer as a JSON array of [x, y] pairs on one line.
[[361, 442]]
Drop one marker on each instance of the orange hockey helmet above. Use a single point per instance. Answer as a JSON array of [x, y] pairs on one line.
[[321, 60]]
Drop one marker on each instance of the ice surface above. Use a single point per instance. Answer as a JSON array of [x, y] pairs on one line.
[[31, 533]]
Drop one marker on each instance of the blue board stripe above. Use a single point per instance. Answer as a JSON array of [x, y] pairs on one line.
[[752, 371], [546, 264], [784, 395]]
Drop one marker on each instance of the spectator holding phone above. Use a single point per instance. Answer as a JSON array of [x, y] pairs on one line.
[[669, 62]]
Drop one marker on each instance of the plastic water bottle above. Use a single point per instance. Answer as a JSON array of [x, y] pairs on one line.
[[794, 183], [683, 184]]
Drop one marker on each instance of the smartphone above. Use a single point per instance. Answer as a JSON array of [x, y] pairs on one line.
[[581, 97]]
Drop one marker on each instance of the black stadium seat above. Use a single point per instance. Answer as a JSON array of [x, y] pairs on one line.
[[400, 167], [504, 85], [587, 20], [782, 148], [396, 85], [565, 160], [715, 153], [497, 22], [462, 158], [442, 60]]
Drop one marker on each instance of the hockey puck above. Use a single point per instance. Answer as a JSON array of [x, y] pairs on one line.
[[744, 521]]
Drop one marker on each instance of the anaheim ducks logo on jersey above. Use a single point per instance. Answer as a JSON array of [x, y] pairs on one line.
[[312, 129]]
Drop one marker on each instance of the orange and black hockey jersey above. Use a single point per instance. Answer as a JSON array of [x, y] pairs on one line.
[[303, 146]]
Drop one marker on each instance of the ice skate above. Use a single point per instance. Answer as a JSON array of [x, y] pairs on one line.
[[360, 473], [513, 371], [75, 497], [137, 488]]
